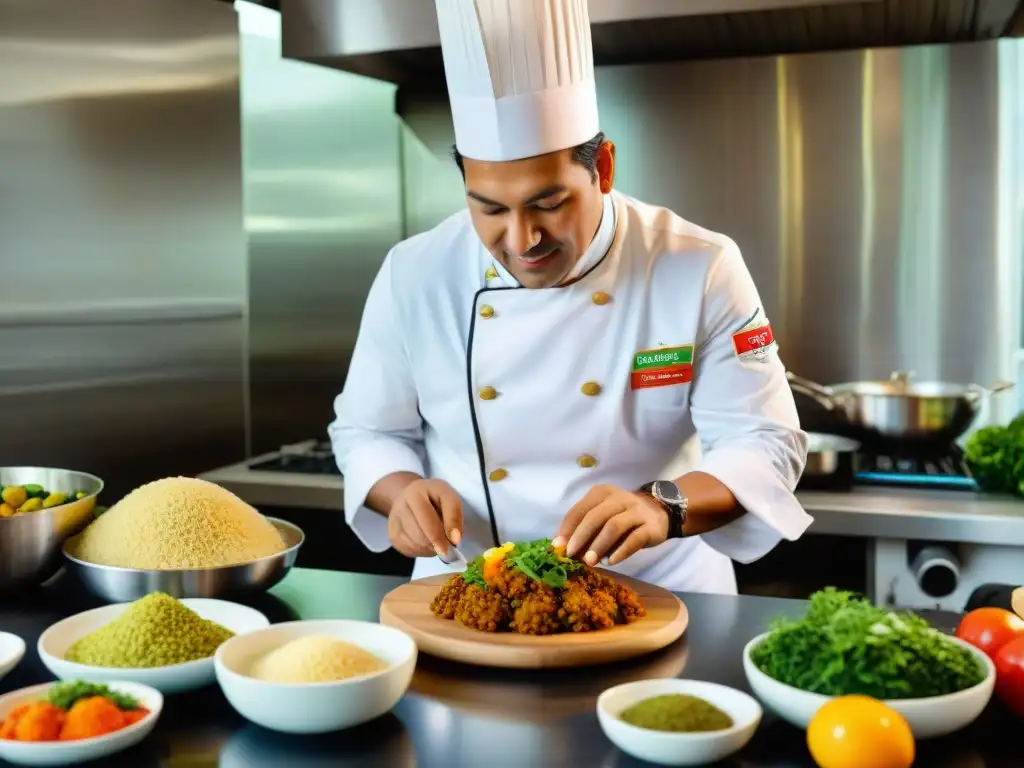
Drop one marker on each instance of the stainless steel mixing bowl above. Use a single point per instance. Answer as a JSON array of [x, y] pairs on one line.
[[123, 585], [30, 543]]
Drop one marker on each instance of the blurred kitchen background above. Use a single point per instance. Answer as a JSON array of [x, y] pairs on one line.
[[195, 196]]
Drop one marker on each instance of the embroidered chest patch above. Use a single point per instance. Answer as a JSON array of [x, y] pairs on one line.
[[662, 367], [755, 340]]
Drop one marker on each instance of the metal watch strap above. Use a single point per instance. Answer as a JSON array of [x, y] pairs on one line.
[[675, 516]]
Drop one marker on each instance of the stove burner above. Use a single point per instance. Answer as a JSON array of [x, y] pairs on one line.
[[944, 470], [313, 457]]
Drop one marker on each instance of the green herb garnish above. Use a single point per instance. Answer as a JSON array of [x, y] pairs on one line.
[[64, 695], [995, 456], [846, 645], [474, 573], [542, 563]]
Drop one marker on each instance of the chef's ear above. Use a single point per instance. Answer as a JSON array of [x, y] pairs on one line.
[[606, 166]]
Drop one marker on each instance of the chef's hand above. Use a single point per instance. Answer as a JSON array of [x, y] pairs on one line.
[[612, 522], [424, 518]]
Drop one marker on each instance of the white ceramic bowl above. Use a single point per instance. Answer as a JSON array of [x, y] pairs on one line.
[[176, 678], [316, 707], [79, 751], [12, 649], [928, 717], [678, 748]]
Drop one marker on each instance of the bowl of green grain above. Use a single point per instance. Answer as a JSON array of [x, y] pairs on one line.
[[845, 645], [674, 721], [159, 641]]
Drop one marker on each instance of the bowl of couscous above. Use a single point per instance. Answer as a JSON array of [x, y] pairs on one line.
[[158, 641], [316, 676], [186, 537]]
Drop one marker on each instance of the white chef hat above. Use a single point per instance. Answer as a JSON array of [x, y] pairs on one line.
[[520, 76]]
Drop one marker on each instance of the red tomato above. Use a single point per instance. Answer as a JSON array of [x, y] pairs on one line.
[[1010, 675], [990, 629]]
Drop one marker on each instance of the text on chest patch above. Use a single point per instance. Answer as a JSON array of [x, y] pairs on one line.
[[755, 340], [661, 367]]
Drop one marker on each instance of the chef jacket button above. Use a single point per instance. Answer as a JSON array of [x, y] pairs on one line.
[[591, 389], [486, 311], [600, 298], [497, 475], [488, 393], [587, 461], [490, 274]]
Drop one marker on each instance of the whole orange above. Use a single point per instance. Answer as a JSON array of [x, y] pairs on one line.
[[859, 732]]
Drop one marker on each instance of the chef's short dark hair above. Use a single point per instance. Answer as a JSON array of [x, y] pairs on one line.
[[585, 154]]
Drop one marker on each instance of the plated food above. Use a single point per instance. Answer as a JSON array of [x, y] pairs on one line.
[[74, 721], [177, 523], [316, 676], [70, 711], [534, 589], [845, 646], [157, 640]]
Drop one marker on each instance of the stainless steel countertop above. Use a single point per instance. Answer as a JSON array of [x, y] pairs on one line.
[[873, 511], [457, 716]]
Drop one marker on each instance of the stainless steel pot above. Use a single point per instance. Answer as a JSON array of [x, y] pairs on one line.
[[902, 409], [830, 462]]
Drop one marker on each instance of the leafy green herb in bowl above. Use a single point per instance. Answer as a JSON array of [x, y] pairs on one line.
[[995, 456], [844, 645]]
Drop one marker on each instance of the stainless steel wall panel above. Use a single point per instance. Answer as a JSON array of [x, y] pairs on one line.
[[122, 253], [323, 207]]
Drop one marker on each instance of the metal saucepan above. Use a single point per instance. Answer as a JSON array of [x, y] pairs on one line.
[[901, 409], [830, 463]]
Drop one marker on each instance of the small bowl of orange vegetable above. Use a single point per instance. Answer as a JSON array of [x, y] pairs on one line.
[[72, 722]]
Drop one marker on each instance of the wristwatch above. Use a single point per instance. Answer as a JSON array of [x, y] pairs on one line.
[[672, 499]]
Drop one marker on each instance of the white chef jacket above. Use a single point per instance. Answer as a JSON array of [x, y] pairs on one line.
[[459, 373]]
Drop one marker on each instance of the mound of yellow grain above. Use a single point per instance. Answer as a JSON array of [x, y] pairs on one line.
[[178, 523], [315, 659]]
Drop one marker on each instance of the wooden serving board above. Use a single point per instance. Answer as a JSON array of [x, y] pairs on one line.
[[1017, 601], [408, 608]]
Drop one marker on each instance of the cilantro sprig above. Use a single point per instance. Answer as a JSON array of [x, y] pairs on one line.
[[844, 644], [538, 560], [64, 695], [474, 572]]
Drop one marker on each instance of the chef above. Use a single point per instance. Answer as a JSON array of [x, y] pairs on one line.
[[532, 365]]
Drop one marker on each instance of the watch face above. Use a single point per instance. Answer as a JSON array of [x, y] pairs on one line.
[[668, 491]]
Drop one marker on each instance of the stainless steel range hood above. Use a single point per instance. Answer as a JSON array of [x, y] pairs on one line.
[[397, 40]]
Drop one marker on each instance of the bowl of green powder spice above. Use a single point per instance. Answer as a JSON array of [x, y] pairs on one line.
[[158, 641], [673, 721], [845, 645]]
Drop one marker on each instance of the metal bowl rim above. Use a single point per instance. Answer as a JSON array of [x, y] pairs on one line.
[[276, 521], [52, 510], [62, 469]]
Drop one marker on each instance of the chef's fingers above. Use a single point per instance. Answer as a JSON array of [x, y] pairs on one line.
[[637, 539], [409, 543], [447, 501], [575, 516], [615, 529], [592, 523], [428, 518]]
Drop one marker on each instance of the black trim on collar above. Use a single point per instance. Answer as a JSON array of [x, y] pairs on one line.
[[481, 458]]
